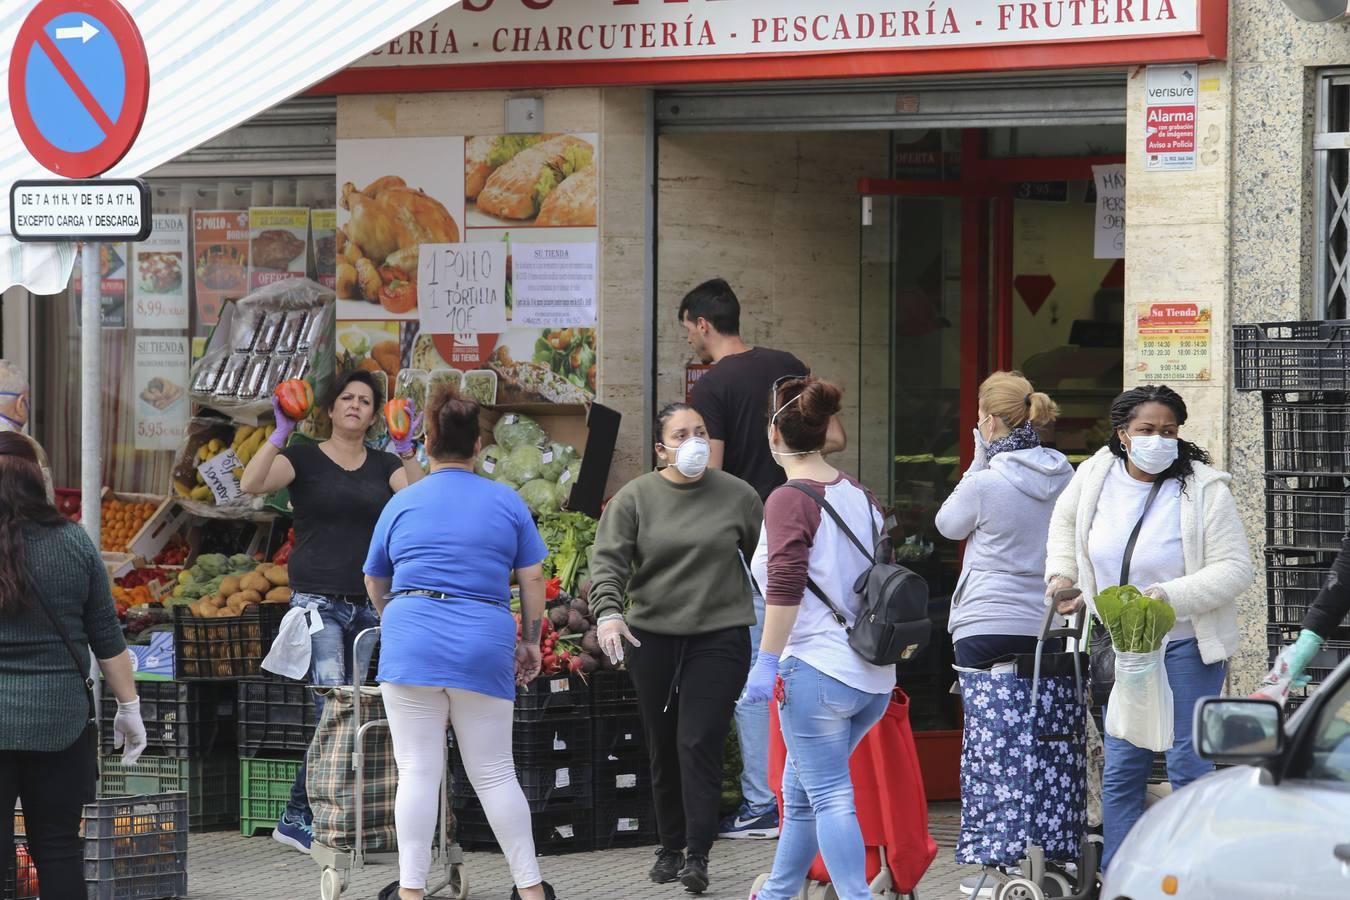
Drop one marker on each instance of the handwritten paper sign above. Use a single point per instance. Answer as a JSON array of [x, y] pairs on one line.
[[553, 285], [219, 474], [1109, 242], [461, 288]]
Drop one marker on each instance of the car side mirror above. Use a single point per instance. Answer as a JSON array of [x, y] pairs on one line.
[[1239, 730]]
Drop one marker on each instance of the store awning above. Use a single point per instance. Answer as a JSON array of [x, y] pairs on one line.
[[213, 65]]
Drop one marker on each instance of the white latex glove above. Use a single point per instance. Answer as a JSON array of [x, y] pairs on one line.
[[129, 731], [981, 458], [612, 632]]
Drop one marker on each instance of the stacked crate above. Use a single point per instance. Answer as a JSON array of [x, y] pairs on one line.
[[1302, 370], [190, 733], [135, 848], [276, 723], [624, 811], [551, 740]]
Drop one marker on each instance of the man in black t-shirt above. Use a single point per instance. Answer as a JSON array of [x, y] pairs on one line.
[[733, 398]]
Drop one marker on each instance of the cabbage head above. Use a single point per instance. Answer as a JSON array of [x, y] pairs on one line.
[[558, 456], [567, 480], [489, 461], [540, 496], [514, 430], [521, 465]]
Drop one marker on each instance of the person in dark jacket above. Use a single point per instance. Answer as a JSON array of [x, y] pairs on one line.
[[1319, 623]]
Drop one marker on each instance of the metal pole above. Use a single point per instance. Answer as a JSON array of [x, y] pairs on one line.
[[91, 392]]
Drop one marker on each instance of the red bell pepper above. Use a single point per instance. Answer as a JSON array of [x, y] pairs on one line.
[[552, 588], [296, 397], [398, 418]]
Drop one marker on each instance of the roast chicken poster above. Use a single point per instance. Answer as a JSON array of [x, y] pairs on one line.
[[518, 191]]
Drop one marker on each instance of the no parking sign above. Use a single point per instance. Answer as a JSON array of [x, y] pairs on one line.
[[79, 83]]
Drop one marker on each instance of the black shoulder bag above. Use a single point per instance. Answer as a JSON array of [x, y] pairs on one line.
[[1103, 652], [88, 739], [892, 623]]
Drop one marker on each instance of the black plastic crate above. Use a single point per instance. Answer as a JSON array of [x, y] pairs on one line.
[[181, 719], [1307, 434], [1293, 581], [624, 825], [619, 733], [275, 717], [22, 885], [623, 780], [224, 649], [544, 786], [135, 848], [613, 691], [1292, 356], [210, 783], [1307, 513], [547, 740], [563, 829], [556, 695], [1332, 654]]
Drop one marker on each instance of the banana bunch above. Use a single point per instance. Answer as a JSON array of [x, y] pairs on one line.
[[245, 443]]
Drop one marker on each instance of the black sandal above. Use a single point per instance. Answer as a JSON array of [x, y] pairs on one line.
[[515, 892], [390, 892]]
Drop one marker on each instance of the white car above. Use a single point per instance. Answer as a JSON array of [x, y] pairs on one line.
[[1275, 825]]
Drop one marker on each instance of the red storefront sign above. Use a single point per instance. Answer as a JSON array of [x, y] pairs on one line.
[[545, 43]]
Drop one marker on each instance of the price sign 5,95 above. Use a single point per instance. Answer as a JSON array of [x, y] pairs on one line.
[[461, 288]]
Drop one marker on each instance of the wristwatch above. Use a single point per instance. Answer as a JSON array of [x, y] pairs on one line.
[[411, 454]]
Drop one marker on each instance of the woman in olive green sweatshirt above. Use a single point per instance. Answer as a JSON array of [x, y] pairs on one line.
[[671, 542]]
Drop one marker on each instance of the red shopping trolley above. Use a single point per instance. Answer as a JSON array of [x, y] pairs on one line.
[[892, 807]]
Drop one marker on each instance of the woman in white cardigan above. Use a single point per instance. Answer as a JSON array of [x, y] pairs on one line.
[[1191, 553]]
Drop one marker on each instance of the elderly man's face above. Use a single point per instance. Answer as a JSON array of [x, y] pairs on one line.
[[14, 407]]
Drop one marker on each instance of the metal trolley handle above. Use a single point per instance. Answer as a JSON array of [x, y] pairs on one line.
[[1071, 631]]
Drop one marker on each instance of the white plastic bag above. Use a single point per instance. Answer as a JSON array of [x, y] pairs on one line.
[[1140, 707], [289, 655]]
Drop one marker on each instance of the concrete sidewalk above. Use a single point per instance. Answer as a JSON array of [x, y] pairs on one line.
[[226, 866]]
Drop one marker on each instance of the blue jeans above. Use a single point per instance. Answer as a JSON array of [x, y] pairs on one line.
[[330, 661], [752, 730], [1125, 780], [823, 721]]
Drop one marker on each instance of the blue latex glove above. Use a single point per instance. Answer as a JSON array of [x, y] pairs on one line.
[[1301, 653], [763, 678], [405, 446], [285, 425]]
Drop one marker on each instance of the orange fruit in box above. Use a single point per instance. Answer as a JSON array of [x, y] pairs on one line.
[[120, 522]]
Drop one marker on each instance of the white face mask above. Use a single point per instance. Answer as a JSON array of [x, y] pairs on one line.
[[691, 457], [1153, 453]]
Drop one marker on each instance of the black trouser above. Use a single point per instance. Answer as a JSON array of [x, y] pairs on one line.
[[981, 650], [54, 791], [687, 689]]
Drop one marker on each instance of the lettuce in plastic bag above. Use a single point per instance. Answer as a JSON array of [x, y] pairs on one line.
[[556, 458], [1138, 623], [514, 430], [540, 496], [521, 465], [489, 461]]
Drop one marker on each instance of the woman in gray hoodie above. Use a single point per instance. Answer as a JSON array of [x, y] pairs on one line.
[[1002, 508]]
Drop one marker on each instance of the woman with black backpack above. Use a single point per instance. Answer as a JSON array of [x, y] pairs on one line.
[[832, 696]]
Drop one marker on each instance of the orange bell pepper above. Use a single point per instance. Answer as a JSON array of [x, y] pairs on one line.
[[296, 397], [398, 418]]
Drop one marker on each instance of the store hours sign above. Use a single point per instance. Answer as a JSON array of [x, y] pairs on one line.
[[1174, 341]]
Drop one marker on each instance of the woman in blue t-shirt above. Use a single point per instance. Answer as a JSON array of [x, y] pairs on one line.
[[439, 570]]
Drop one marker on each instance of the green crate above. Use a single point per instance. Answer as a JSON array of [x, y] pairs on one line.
[[211, 783], [264, 790]]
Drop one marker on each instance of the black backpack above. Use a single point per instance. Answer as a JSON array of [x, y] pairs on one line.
[[893, 624]]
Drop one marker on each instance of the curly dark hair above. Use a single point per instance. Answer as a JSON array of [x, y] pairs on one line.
[[1125, 407]]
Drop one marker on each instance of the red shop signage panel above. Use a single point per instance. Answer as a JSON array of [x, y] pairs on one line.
[[546, 43]]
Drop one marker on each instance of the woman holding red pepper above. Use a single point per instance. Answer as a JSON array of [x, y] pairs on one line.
[[338, 489]]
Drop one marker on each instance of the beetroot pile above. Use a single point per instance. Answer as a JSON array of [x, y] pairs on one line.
[[569, 642]]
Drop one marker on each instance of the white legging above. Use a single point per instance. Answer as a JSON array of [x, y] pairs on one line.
[[417, 720]]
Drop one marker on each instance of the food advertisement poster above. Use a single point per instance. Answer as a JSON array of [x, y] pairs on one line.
[[372, 346], [161, 377], [393, 196], [554, 284], [220, 242], [113, 269], [1175, 341], [161, 295], [517, 191], [323, 228], [278, 238]]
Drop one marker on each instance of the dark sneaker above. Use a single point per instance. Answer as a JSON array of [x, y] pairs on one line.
[[548, 892], [297, 835], [750, 824], [668, 865], [694, 875]]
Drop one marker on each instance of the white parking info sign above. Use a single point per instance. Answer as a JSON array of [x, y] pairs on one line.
[[88, 210]]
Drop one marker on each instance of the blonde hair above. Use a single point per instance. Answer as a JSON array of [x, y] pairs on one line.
[[1010, 397]]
